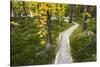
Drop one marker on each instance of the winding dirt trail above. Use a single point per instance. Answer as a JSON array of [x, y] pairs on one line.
[[63, 55]]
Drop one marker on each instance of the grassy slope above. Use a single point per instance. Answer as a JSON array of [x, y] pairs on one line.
[[83, 46]]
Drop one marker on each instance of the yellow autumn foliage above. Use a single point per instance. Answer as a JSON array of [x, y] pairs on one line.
[[14, 23], [55, 9], [39, 32], [42, 42]]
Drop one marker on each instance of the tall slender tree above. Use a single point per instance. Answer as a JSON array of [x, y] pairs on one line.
[[84, 19], [71, 12], [49, 26]]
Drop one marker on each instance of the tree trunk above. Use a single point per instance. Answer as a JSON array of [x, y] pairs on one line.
[[71, 15], [24, 8], [84, 19], [49, 27], [19, 9]]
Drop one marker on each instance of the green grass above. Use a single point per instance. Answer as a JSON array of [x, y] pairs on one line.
[[83, 47], [25, 44], [57, 28]]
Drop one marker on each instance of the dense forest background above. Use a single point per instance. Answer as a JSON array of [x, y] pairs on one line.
[[35, 27]]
